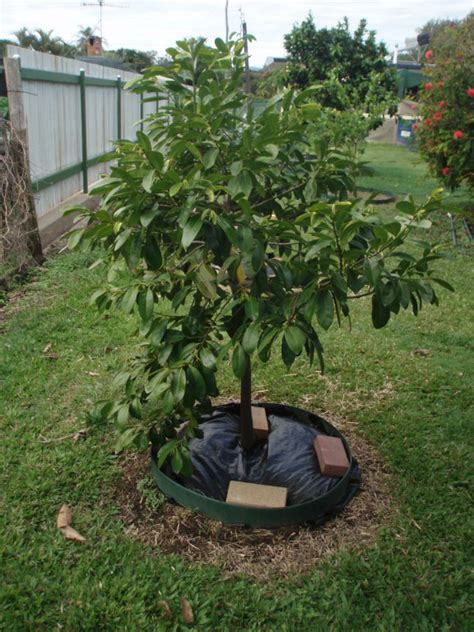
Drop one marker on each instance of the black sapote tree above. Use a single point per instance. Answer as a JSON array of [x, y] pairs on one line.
[[228, 231]]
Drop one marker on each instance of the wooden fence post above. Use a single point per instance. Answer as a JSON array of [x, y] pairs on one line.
[[20, 139]]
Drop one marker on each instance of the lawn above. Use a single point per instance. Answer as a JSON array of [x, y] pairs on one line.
[[58, 356]]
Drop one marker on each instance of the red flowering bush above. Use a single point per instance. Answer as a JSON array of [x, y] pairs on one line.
[[446, 139]]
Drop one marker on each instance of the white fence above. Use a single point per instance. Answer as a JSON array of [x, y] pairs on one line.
[[71, 119]]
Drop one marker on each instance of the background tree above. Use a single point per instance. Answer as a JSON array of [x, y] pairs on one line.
[[445, 134], [44, 42], [323, 56], [228, 233]]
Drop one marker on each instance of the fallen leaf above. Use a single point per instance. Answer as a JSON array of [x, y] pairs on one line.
[[64, 517], [63, 522], [48, 347], [71, 534], [167, 614], [52, 356], [187, 611], [92, 373]]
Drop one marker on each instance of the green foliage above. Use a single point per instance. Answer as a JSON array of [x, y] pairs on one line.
[[345, 65], [229, 233], [445, 133], [356, 85], [45, 42], [3, 107]]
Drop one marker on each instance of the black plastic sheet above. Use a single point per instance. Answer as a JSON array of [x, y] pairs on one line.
[[286, 459]]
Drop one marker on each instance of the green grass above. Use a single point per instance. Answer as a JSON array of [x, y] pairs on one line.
[[400, 171], [416, 576]]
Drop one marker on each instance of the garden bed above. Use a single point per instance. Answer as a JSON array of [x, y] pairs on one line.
[[259, 553]]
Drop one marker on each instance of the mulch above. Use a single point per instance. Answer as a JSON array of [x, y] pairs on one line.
[[261, 554]]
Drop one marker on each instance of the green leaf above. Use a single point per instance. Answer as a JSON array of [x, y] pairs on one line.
[[143, 141], [380, 313], [178, 384], [239, 361], [126, 438], [205, 282], [241, 183], [295, 338], [148, 180], [324, 308], [75, 238], [165, 451], [156, 159], [176, 461], [207, 358], [228, 229], [198, 382], [190, 230], [210, 157], [152, 253], [175, 188], [287, 354], [251, 338], [372, 271], [122, 238], [129, 299], [443, 283], [146, 305]]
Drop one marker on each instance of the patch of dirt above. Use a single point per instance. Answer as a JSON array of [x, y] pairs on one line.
[[261, 554]]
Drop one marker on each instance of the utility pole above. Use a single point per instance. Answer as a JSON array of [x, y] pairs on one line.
[[226, 20]]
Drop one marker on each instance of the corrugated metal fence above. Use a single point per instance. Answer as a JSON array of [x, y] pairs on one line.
[[73, 111]]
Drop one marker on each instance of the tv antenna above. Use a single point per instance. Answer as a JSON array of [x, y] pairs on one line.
[[101, 4]]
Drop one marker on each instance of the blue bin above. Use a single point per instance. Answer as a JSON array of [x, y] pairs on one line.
[[405, 133]]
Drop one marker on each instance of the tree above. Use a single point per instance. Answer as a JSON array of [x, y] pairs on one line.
[[445, 135], [44, 42], [324, 56], [137, 60], [228, 233]]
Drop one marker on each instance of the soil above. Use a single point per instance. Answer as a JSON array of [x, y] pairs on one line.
[[259, 553]]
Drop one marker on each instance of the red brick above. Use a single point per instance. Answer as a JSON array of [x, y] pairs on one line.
[[254, 495], [331, 455], [260, 424]]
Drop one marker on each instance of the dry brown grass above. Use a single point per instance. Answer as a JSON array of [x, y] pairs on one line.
[[259, 553]]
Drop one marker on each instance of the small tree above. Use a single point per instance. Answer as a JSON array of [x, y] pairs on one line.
[[445, 134], [229, 233]]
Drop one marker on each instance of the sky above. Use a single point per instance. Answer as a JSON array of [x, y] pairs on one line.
[[155, 24]]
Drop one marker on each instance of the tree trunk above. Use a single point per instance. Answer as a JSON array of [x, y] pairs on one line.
[[246, 428]]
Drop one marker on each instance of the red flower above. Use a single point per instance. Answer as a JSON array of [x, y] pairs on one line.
[[440, 84], [428, 86], [437, 116], [470, 92], [445, 171], [415, 126], [413, 106], [457, 134], [427, 121], [442, 104], [429, 54]]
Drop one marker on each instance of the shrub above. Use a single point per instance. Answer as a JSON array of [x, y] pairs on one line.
[[446, 137]]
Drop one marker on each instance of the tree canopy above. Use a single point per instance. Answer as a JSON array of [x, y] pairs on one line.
[[356, 61], [228, 232]]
